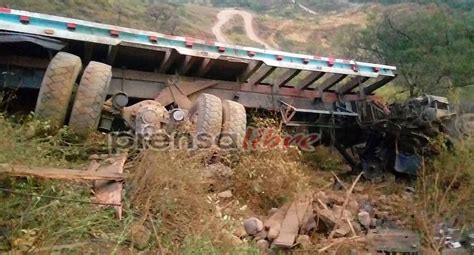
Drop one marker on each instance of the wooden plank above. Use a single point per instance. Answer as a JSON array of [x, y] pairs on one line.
[[112, 54], [110, 192], [167, 61], [352, 84], [206, 65], [286, 77], [378, 84], [292, 222], [273, 224], [252, 67], [187, 64], [262, 73], [58, 173], [310, 79], [331, 81]]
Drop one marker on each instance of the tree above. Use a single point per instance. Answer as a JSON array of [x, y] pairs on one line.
[[165, 16], [433, 48]]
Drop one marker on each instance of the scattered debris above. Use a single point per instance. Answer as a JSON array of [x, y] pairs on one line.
[[225, 194], [140, 236], [394, 241], [263, 245], [108, 176], [337, 217], [58, 173], [111, 192], [364, 219], [253, 226]]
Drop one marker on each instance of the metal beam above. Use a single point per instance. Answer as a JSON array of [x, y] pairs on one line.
[[112, 54], [331, 81], [187, 64], [168, 59], [206, 65], [262, 73], [352, 84], [88, 50], [378, 84], [309, 79], [252, 67], [286, 77]]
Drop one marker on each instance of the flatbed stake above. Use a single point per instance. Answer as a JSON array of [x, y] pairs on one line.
[[153, 39], [71, 26], [25, 19], [114, 33]]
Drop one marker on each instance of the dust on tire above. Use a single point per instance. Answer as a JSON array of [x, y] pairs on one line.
[[56, 88], [207, 115], [234, 123], [90, 98]]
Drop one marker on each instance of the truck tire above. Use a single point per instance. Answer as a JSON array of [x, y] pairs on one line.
[[234, 123], [206, 113], [56, 88], [90, 98]]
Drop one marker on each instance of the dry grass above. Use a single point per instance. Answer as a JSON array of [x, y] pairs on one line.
[[445, 191], [171, 195], [166, 187], [266, 179]]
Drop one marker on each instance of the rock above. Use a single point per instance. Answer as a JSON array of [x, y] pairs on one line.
[[342, 231], [139, 236], [234, 240], [272, 211], [364, 218], [304, 241], [253, 226], [335, 199], [261, 235], [381, 214], [353, 206], [263, 245], [225, 194], [328, 217], [217, 170], [356, 226], [240, 231], [322, 198], [347, 214], [373, 223], [94, 157], [367, 207], [363, 198]]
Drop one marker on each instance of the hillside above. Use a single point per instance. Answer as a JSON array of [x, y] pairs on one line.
[[288, 28]]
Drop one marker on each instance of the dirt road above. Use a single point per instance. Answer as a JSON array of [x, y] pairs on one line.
[[225, 15]]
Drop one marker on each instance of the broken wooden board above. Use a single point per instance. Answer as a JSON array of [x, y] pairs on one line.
[[273, 224], [110, 192], [394, 241], [58, 173], [292, 223]]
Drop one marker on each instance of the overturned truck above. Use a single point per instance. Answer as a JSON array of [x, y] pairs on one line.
[[151, 82]]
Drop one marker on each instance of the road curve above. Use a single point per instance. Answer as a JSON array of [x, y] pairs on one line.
[[225, 15]]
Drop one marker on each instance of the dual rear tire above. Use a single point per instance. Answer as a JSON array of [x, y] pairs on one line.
[[224, 121], [56, 92]]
